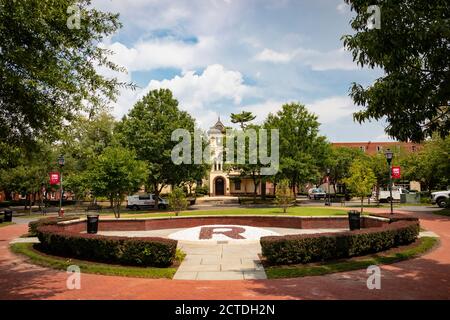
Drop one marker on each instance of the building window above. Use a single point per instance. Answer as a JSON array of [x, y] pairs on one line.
[[379, 148], [237, 184], [362, 148]]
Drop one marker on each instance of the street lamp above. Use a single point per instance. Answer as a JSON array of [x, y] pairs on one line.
[[61, 162], [389, 155], [328, 186]]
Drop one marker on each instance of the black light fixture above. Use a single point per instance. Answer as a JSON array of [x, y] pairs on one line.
[[389, 156], [328, 198], [61, 161]]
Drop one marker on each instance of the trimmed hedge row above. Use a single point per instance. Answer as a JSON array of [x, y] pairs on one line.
[[33, 225], [154, 252], [304, 248]]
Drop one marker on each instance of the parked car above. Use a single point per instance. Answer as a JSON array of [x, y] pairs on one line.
[[139, 201], [440, 198], [316, 193], [385, 195]]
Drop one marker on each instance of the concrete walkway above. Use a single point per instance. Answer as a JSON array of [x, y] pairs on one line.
[[221, 261]]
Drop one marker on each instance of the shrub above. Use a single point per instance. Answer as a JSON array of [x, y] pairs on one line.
[[155, 252], [284, 195], [32, 226], [292, 249], [201, 190]]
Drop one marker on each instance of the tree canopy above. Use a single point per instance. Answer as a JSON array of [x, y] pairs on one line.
[[148, 128], [412, 47], [48, 71], [242, 118], [303, 152]]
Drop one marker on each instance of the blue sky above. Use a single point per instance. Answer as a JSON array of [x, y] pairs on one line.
[[224, 56]]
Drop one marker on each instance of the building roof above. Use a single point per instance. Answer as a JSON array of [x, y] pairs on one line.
[[219, 126]]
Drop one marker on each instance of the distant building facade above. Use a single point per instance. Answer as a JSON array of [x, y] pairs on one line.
[[371, 148]]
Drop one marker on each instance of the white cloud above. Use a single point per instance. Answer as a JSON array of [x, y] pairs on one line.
[[195, 92], [160, 53], [332, 109], [342, 7], [328, 110], [337, 59], [269, 55]]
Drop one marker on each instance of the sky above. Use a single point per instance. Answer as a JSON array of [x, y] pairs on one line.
[[224, 56]]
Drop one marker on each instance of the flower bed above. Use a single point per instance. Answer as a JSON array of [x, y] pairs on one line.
[[155, 252], [293, 249]]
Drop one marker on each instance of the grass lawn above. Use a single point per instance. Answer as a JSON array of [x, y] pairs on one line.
[[4, 224], [45, 260], [425, 244], [443, 212], [294, 211]]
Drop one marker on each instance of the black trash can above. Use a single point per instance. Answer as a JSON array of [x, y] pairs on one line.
[[92, 223], [354, 220], [8, 216]]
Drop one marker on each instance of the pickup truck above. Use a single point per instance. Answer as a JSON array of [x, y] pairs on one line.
[[440, 198], [385, 195]]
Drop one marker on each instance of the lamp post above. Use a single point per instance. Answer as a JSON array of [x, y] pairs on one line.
[[328, 203], [389, 155], [61, 165]]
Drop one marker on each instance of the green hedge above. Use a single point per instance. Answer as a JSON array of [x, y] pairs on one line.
[[154, 252], [33, 225], [293, 249]]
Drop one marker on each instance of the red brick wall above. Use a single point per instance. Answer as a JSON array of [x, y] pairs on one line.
[[188, 222], [371, 147]]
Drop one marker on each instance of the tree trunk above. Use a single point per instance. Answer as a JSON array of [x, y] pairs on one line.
[[362, 204], [255, 189], [263, 189], [29, 212]]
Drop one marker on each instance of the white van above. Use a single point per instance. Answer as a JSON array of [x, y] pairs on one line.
[[139, 201]]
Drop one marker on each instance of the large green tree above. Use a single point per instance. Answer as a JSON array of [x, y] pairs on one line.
[[431, 165], [242, 118], [49, 67], [412, 46], [148, 128], [115, 174], [303, 152], [361, 180], [340, 161]]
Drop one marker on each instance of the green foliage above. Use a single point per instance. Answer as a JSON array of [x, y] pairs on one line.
[[201, 191], [116, 173], [49, 72], [412, 48], [425, 244], [361, 179], [284, 195], [242, 118], [30, 251], [148, 128], [293, 249], [431, 165], [156, 252], [341, 159], [33, 225], [177, 200], [303, 152]]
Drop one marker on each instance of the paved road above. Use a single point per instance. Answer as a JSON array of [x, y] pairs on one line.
[[426, 277]]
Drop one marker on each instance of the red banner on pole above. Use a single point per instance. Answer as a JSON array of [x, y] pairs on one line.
[[396, 173], [54, 178]]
